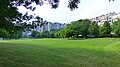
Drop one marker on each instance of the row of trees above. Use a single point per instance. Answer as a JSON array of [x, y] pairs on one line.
[[82, 28], [54, 33], [7, 35], [86, 28]]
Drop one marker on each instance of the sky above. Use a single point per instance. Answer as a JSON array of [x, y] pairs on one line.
[[87, 9]]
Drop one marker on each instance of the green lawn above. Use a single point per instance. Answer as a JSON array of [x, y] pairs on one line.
[[103, 52]]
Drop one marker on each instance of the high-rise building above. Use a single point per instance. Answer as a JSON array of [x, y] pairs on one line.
[[45, 27], [49, 26]]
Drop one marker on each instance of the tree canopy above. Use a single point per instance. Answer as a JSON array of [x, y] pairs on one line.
[[116, 28], [80, 27], [94, 29], [105, 30], [9, 13]]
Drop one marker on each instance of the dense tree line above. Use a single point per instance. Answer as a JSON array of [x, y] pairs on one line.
[[86, 28], [54, 33], [83, 28], [7, 35]]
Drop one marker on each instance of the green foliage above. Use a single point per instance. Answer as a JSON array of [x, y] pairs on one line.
[[94, 29], [9, 14], [105, 30], [20, 34], [35, 34], [84, 27], [62, 33], [4, 34], [48, 34], [45, 34], [68, 31], [77, 28], [9, 35], [116, 28], [72, 4], [57, 33], [52, 34], [13, 36]]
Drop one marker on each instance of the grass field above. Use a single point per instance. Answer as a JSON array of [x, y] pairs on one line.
[[103, 52]]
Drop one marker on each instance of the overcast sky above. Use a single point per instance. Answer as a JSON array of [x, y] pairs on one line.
[[87, 9]]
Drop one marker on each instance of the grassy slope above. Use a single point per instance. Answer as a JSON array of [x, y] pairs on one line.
[[104, 52]]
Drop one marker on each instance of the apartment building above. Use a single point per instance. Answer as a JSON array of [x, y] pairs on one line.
[[49, 26], [45, 27], [111, 17]]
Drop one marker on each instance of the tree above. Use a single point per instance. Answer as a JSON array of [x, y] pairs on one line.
[[84, 27], [68, 31], [4, 34], [52, 34], [62, 33], [80, 27], [57, 34], [13, 36], [116, 28], [34, 34], [72, 4], [45, 34], [9, 9], [9, 13], [94, 29], [105, 30], [20, 34], [39, 35]]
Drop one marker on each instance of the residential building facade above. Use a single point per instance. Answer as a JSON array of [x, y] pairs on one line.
[[110, 17], [45, 27]]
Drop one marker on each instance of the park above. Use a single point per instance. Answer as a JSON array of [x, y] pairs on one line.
[[98, 52], [59, 33]]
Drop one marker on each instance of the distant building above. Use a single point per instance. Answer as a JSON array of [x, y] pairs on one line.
[[111, 17], [49, 26], [46, 27]]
